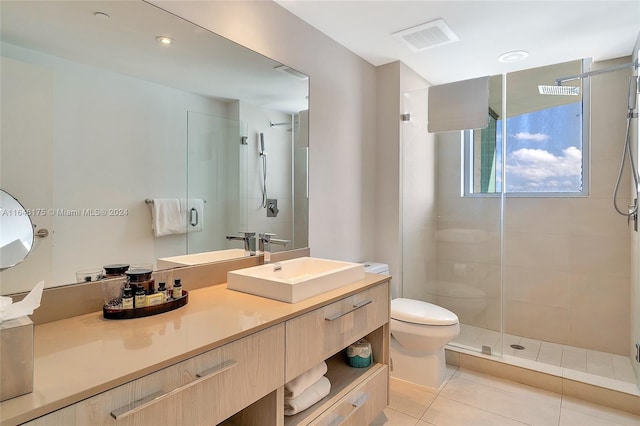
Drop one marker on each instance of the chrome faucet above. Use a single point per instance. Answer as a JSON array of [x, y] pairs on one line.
[[265, 240], [249, 239]]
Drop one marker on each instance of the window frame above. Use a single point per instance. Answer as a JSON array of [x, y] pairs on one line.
[[467, 169]]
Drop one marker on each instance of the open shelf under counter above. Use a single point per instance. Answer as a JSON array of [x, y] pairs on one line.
[[344, 379]]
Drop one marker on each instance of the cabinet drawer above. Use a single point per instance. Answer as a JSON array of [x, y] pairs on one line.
[[360, 406], [205, 389], [259, 371], [317, 335]]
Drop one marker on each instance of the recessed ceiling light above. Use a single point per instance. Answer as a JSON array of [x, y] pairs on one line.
[[164, 40], [514, 56]]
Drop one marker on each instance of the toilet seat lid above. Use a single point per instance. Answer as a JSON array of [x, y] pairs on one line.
[[419, 312]]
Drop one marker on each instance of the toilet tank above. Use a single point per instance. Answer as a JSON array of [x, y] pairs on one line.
[[376, 268]]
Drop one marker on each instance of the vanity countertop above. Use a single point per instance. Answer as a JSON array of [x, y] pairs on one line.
[[79, 357]]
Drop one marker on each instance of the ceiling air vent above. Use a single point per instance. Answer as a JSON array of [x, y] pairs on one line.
[[425, 36]]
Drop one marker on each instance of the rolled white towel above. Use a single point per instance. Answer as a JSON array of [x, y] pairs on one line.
[[310, 396], [296, 386]]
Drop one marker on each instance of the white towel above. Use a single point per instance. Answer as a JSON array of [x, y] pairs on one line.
[[310, 396], [168, 216], [298, 385], [171, 216]]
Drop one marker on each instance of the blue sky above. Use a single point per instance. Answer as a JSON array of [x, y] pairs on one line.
[[544, 150]]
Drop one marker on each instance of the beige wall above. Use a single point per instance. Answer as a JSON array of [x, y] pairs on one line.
[[404, 178], [342, 112]]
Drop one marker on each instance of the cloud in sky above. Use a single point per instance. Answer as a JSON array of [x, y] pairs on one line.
[[526, 136], [539, 170]]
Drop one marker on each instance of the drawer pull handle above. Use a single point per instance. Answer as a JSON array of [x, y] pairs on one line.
[[155, 397], [337, 421], [216, 370], [360, 401], [353, 308], [356, 405]]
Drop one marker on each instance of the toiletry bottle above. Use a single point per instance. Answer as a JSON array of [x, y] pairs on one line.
[[127, 298], [177, 289], [162, 289], [141, 297]]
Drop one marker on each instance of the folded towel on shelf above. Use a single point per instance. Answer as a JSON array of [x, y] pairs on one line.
[[168, 216], [310, 396], [298, 385]]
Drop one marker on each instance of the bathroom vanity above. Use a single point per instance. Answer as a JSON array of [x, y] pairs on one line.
[[223, 358]]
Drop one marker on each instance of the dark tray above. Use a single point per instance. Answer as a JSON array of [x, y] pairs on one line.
[[111, 313]]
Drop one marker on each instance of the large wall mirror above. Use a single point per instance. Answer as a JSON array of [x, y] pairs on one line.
[[102, 121]]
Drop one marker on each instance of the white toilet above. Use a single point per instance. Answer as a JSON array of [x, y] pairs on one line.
[[419, 332]]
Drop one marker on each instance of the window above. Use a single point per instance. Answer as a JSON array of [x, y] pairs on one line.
[[546, 139]]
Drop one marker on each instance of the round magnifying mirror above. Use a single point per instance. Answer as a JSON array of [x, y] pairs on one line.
[[16, 231]]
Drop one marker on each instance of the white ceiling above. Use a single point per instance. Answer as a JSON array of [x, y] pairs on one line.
[[551, 31], [126, 43]]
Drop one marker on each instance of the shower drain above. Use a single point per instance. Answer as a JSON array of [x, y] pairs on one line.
[[517, 347]]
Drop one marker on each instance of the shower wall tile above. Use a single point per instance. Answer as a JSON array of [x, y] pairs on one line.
[[526, 215], [539, 286], [599, 311], [596, 217], [599, 253], [603, 178], [536, 321], [539, 250]]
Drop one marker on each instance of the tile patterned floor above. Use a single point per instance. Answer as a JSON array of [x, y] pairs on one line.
[[610, 366], [469, 398]]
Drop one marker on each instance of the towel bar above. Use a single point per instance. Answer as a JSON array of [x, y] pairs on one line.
[[150, 201]]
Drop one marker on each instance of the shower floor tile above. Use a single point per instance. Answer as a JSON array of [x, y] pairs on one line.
[[602, 364]]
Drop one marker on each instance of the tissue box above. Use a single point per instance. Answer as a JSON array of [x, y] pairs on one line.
[[16, 357]]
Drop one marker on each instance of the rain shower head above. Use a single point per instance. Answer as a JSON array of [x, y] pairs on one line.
[[559, 90]]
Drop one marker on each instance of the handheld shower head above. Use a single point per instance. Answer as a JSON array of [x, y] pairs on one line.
[[262, 152]]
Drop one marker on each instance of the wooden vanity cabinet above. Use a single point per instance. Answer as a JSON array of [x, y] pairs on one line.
[[242, 382], [205, 389], [357, 395]]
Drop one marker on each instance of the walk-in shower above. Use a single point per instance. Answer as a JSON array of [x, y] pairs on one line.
[[540, 275]]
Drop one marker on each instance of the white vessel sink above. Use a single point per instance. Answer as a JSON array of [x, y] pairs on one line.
[[199, 258], [296, 279]]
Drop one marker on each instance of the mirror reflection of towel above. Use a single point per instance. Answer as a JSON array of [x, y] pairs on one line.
[[167, 217], [171, 216]]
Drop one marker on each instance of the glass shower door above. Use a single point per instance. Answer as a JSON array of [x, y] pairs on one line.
[[216, 175], [468, 231]]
